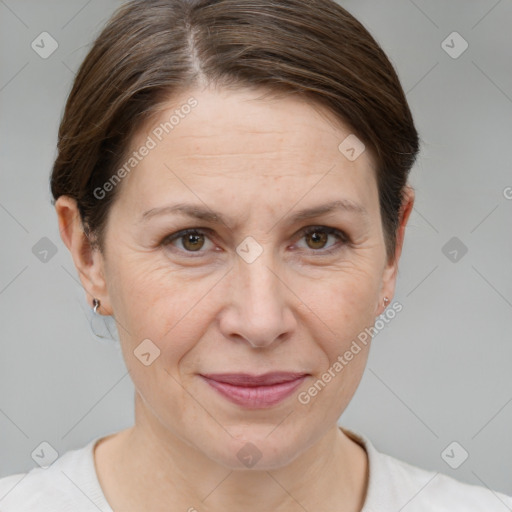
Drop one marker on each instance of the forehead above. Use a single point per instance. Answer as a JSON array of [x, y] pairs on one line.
[[237, 139]]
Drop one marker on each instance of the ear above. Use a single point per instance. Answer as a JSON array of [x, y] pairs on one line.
[[390, 271], [88, 261]]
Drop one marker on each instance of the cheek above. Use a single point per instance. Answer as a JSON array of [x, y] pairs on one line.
[[340, 311], [339, 327], [166, 306], [344, 301]]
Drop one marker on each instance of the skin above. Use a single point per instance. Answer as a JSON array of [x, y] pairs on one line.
[[256, 161]]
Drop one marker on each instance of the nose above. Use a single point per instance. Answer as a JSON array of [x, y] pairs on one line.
[[258, 307]]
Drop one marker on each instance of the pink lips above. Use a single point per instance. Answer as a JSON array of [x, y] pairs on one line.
[[255, 391]]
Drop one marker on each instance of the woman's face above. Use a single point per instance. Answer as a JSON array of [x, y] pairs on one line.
[[251, 293]]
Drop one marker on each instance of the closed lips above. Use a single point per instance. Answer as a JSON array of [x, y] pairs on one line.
[[247, 380]]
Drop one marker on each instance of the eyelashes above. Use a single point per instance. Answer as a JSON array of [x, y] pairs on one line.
[[326, 230], [195, 239]]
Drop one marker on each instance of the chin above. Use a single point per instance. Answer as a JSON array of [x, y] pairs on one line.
[[256, 448]]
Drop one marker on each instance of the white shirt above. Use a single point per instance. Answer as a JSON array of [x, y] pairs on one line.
[[71, 484]]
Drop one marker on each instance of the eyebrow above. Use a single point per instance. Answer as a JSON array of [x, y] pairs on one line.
[[208, 215]]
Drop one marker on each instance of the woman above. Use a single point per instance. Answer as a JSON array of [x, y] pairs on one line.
[[231, 182]]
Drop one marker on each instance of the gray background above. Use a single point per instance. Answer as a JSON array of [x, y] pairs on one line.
[[439, 372]]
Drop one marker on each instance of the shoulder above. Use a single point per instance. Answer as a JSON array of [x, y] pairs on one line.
[[394, 485], [64, 485], [38, 489], [418, 490]]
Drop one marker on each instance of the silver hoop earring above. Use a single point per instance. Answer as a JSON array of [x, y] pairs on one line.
[[102, 327]]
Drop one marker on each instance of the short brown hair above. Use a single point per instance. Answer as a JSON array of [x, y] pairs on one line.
[[152, 49]]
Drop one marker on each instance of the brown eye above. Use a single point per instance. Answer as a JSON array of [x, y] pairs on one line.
[[317, 238], [192, 241]]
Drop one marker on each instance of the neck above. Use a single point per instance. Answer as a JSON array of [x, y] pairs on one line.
[[148, 467]]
